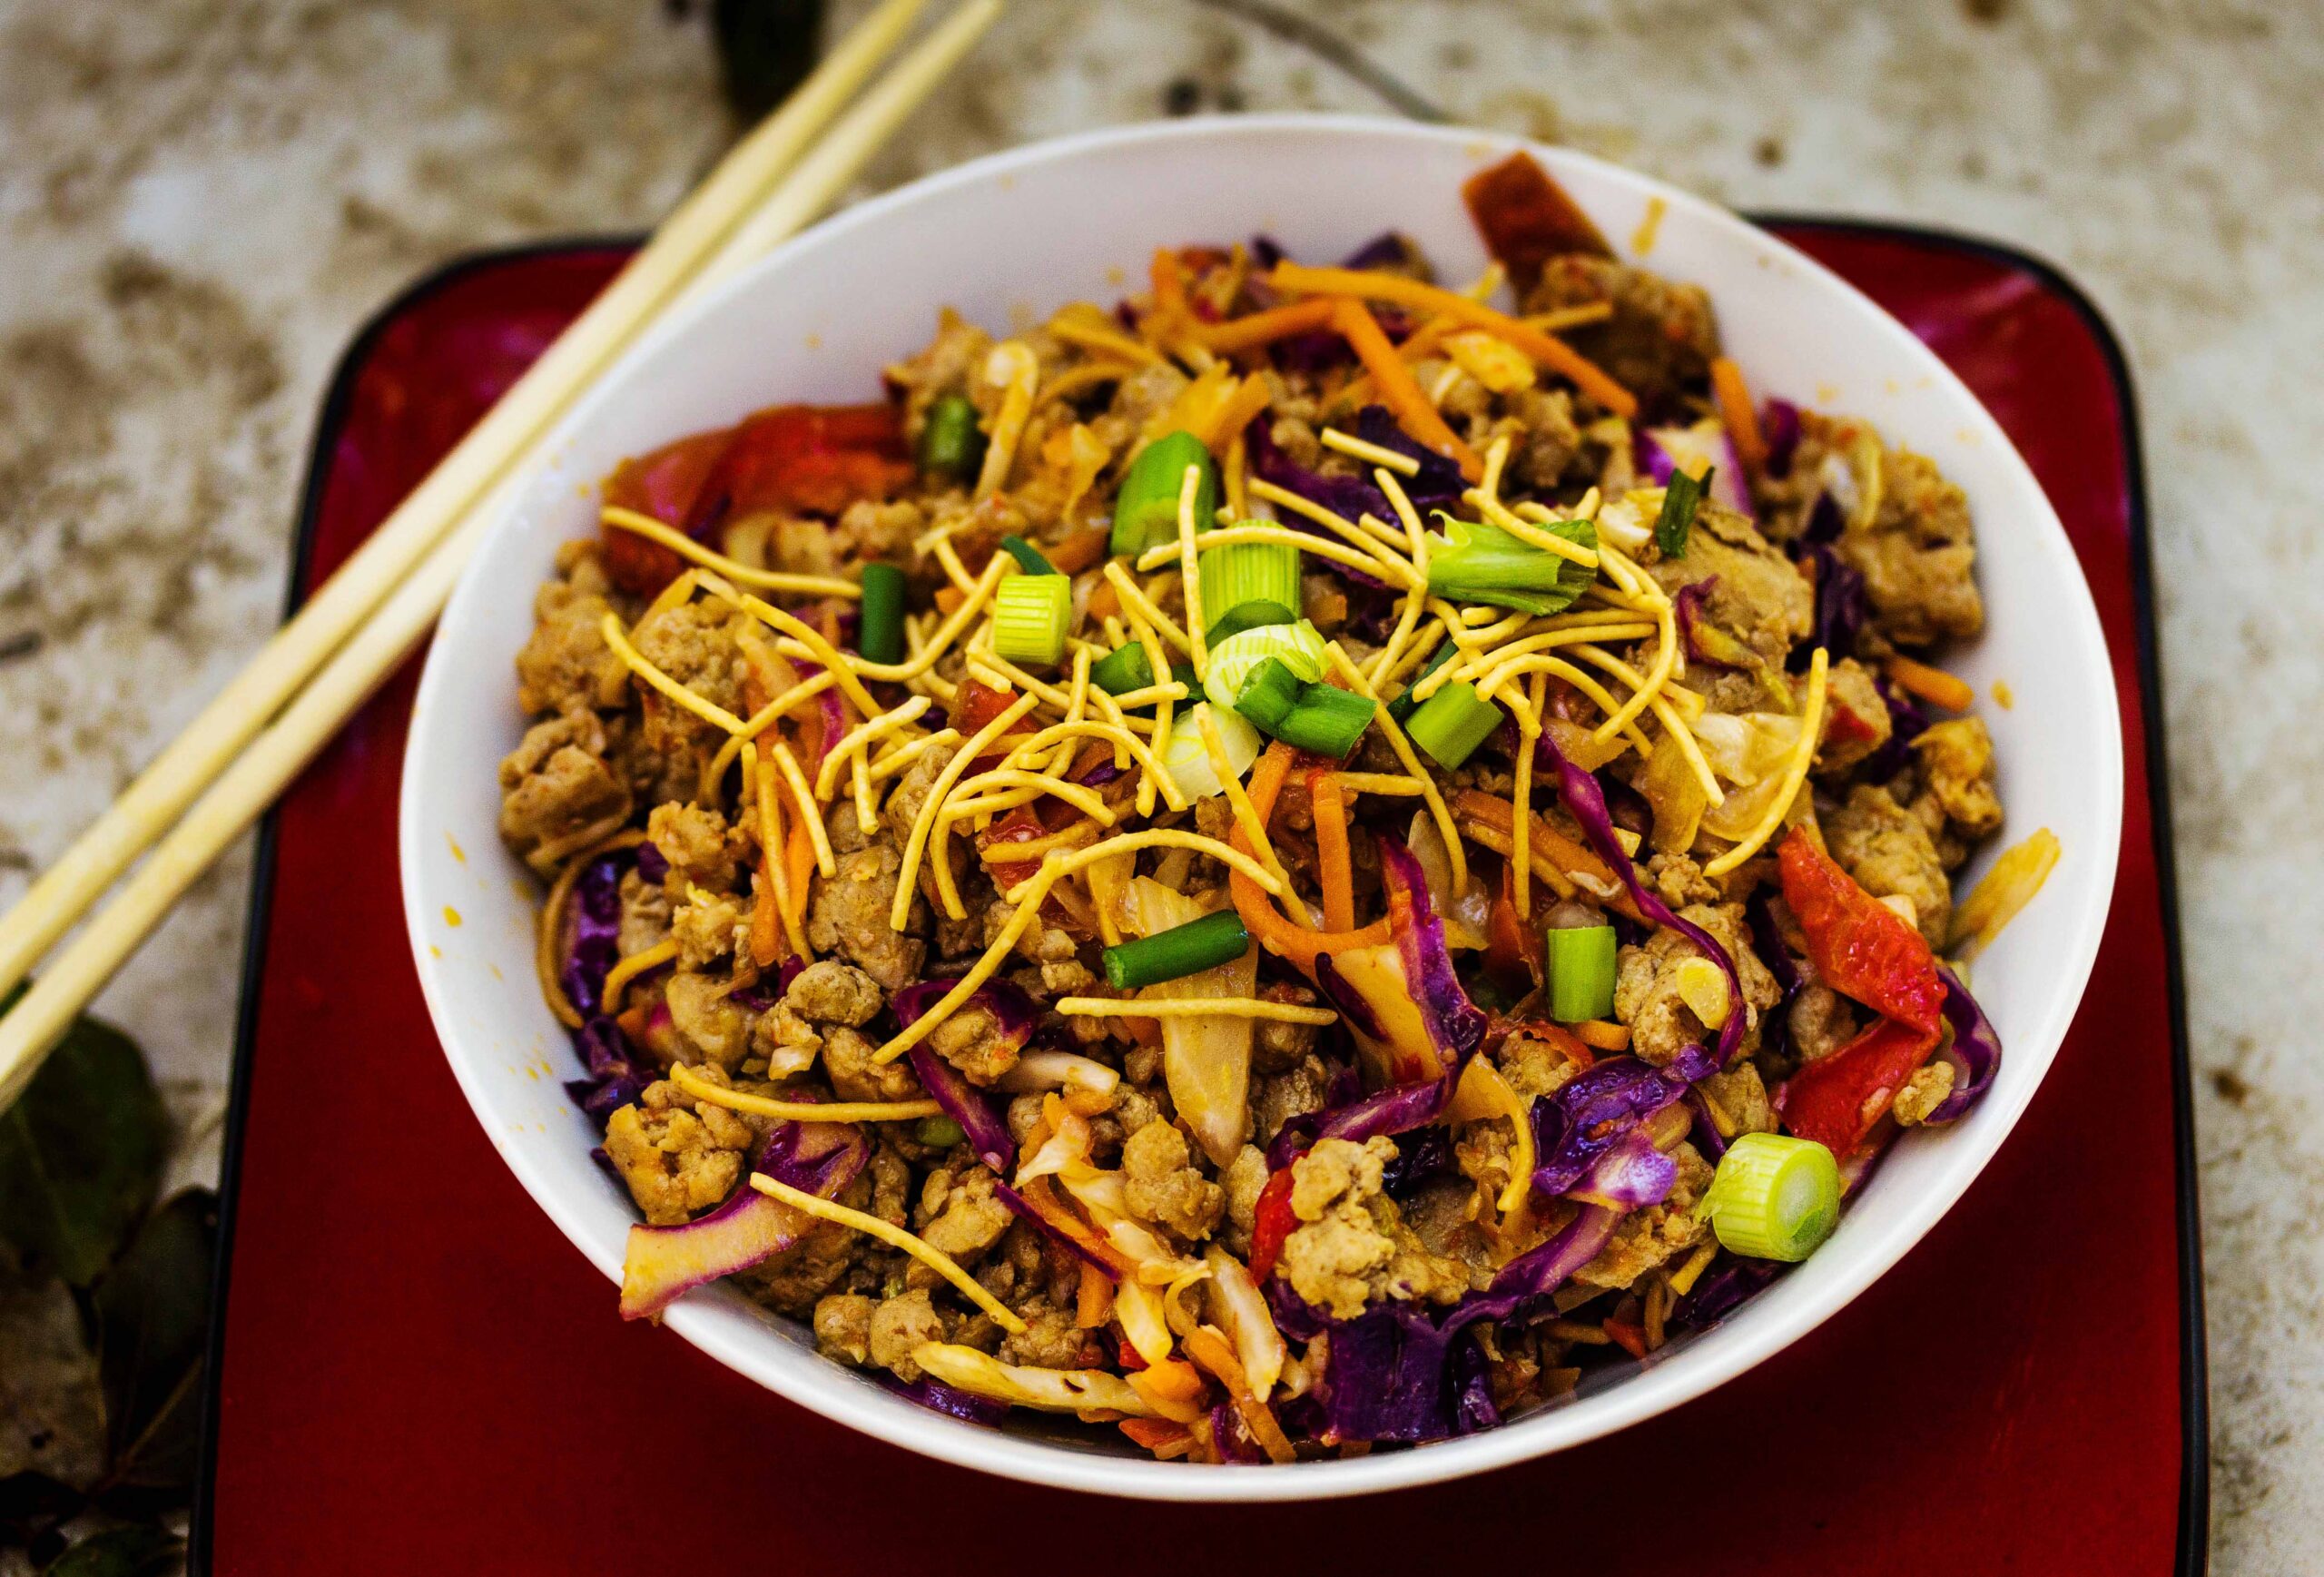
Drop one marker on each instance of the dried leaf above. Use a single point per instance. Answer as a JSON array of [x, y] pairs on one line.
[[81, 1153], [131, 1552], [153, 1322]]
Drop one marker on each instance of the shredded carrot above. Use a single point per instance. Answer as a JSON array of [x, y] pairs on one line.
[[1574, 1049], [1208, 1347], [1330, 849], [1256, 328], [1156, 1434], [1093, 1305], [1933, 685], [1399, 390], [1174, 1386], [1631, 1338], [767, 920], [1295, 943], [1736, 411], [949, 599], [1078, 551], [1548, 849], [1552, 353], [1233, 415], [799, 864], [1104, 602], [1603, 1035]]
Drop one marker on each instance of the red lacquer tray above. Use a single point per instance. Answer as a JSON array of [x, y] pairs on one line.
[[414, 1372]]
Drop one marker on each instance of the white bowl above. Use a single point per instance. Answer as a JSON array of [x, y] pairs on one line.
[[1011, 237]]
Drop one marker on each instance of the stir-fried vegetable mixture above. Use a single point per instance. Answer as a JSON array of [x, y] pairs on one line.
[[1289, 866]]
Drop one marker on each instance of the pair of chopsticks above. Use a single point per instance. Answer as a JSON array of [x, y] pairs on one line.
[[216, 778]]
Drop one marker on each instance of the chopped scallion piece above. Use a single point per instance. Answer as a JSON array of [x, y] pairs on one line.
[[1181, 951], [1401, 708], [1774, 1197], [1298, 647], [1680, 498], [1028, 557], [880, 632], [938, 1132], [1031, 616], [1454, 722], [1582, 972], [1122, 670], [1248, 584], [1327, 721], [1187, 758], [1477, 562], [951, 443], [1145, 509], [1268, 695]]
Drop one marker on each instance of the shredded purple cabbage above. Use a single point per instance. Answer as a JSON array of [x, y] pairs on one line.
[[615, 1077], [1779, 431], [1727, 1285], [938, 1398], [1654, 452], [1438, 485], [1018, 1015], [1843, 609], [1974, 1051], [593, 929], [1907, 721], [1579, 1125], [651, 865]]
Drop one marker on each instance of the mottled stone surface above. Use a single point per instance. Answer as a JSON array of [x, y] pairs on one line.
[[201, 199]]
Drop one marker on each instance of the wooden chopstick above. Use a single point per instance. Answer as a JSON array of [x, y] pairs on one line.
[[687, 239], [410, 589]]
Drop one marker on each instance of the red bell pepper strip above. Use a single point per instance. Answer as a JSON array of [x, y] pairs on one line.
[[1861, 948], [1273, 1222], [1836, 1100], [794, 458]]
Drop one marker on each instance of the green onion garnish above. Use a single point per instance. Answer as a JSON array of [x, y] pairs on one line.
[[1680, 498], [1032, 613], [1774, 1197], [1145, 509], [1298, 647], [879, 627], [1401, 708], [1181, 951], [1268, 695], [1028, 557], [938, 1132], [1122, 670], [1326, 721], [1249, 585], [1454, 722], [951, 443], [1475, 561], [1582, 972]]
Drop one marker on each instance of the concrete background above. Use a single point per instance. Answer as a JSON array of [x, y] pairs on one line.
[[200, 199]]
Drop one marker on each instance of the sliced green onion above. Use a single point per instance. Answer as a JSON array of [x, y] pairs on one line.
[[938, 1132], [1582, 972], [1268, 695], [1032, 615], [1297, 645], [1327, 721], [1181, 951], [1680, 498], [1454, 722], [880, 629], [1402, 707], [1188, 759], [1475, 561], [1774, 1197], [951, 443], [1122, 670], [1248, 584], [1145, 509], [1029, 557]]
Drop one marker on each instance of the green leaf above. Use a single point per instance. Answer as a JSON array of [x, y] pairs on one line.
[[1680, 499], [153, 1328], [81, 1153], [120, 1553]]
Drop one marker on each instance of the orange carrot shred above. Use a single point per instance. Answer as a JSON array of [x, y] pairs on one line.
[[1933, 685], [798, 854], [1293, 943], [767, 943], [1093, 1304], [1256, 328], [1735, 410], [1153, 1433], [947, 599], [1603, 1035], [1078, 551], [1552, 352], [1632, 1339], [1399, 390]]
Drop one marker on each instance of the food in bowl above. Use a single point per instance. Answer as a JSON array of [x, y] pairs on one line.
[[1288, 867]]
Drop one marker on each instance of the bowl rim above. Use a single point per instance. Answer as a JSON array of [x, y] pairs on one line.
[[841, 1395]]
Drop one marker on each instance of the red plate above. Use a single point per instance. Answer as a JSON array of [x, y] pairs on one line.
[[414, 1372]]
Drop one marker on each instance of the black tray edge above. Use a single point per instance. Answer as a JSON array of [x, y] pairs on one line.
[[2192, 1557]]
